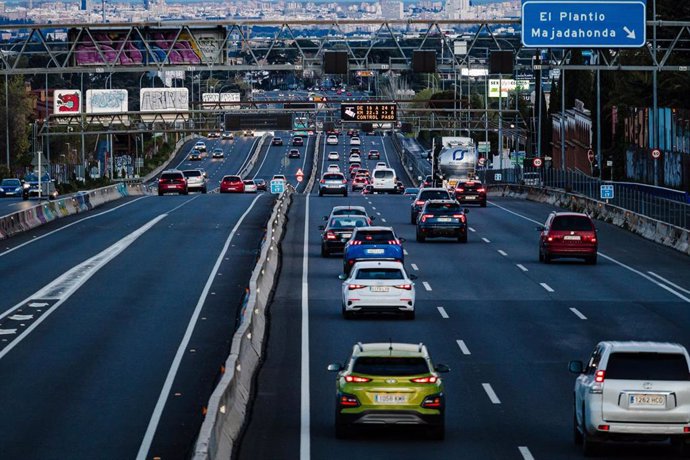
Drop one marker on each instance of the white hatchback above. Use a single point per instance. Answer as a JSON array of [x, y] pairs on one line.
[[354, 158], [378, 286], [333, 156], [333, 168], [355, 141], [332, 140]]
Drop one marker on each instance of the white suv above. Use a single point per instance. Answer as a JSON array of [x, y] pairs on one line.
[[632, 391]]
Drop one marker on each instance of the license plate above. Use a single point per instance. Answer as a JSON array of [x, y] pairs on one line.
[[389, 398], [572, 237], [444, 219], [470, 197], [374, 251], [647, 400], [346, 235], [379, 289]]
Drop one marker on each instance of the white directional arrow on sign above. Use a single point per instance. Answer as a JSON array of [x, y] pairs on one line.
[[629, 33], [21, 317], [38, 304]]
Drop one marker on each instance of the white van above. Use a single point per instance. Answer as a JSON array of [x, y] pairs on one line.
[[384, 179]]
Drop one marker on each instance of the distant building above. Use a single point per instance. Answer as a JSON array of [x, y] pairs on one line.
[[457, 9], [578, 138], [391, 9]]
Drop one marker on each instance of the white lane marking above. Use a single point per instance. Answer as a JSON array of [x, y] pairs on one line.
[[405, 252], [305, 405], [463, 347], [486, 240], [66, 284], [522, 267], [38, 304], [378, 213], [443, 312], [414, 267], [490, 393], [69, 225], [611, 259], [577, 313], [526, 454], [426, 286], [383, 220], [8, 331], [264, 160], [670, 283], [20, 317], [181, 350], [472, 229], [546, 286], [374, 208], [503, 253]]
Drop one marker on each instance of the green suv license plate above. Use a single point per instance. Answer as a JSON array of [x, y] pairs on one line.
[[390, 398]]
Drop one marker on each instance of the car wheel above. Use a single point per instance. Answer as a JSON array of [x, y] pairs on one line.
[[547, 257], [483, 204], [590, 448], [412, 219], [577, 434], [681, 446], [345, 194], [420, 237], [541, 256], [186, 192], [204, 190], [160, 193], [320, 193], [409, 315], [591, 260], [324, 253], [462, 238], [342, 431], [437, 432]]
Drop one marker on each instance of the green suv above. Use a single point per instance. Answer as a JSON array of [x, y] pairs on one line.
[[389, 384]]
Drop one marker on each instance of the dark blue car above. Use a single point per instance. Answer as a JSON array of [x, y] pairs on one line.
[[10, 187], [372, 243]]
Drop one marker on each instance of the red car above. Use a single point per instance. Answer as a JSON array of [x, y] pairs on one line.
[[359, 182], [172, 181], [231, 184], [568, 234]]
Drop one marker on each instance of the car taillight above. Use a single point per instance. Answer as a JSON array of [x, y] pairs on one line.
[[353, 287], [344, 181], [322, 181], [429, 379], [460, 189], [348, 400], [600, 376], [481, 190], [393, 242], [459, 216], [330, 236], [355, 243], [356, 379], [427, 216], [407, 287], [433, 402], [419, 202]]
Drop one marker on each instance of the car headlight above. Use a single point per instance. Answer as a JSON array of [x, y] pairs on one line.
[[26, 186]]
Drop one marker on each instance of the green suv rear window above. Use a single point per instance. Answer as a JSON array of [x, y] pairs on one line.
[[374, 365]]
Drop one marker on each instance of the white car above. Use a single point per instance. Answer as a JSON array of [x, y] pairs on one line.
[[227, 135], [333, 156], [249, 186], [384, 180], [332, 140], [333, 168], [279, 177], [355, 141], [378, 286], [196, 180], [632, 390], [200, 146], [354, 158], [380, 164]]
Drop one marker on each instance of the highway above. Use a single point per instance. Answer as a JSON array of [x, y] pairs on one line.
[[115, 323], [505, 324]]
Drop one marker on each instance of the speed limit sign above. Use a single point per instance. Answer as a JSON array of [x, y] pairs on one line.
[[656, 153], [537, 162]]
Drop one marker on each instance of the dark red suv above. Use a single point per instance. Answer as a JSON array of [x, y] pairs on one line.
[[471, 192], [172, 181], [568, 234]]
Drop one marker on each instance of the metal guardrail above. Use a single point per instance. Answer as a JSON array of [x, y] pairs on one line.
[[229, 402]]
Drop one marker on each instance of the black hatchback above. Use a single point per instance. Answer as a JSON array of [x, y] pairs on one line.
[[442, 218], [338, 232]]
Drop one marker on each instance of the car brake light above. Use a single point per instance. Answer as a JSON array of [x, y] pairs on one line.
[[481, 190], [353, 287], [427, 216], [344, 181], [550, 238], [348, 400], [355, 243], [356, 379], [393, 242], [460, 216], [330, 236], [600, 376], [603, 427], [407, 287], [322, 181], [429, 379], [460, 189], [432, 402], [419, 202]]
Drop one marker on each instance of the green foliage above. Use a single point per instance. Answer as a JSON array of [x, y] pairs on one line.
[[21, 109]]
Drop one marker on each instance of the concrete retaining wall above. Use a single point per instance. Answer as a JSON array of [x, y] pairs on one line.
[[48, 211], [660, 232], [229, 402]]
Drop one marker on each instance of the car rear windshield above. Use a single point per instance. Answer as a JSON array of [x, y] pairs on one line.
[[348, 222], [434, 195], [379, 274], [647, 366], [355, 211], [333, 177], [449, 207], [248, 182], [390, 366], [191, 173], [471, 186], [384, 174], [377, 236], [232, 179], [580, 223], [171, 176]]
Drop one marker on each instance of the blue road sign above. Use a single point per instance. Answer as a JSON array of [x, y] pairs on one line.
[[583, 24], [606, 192], [277, 186]]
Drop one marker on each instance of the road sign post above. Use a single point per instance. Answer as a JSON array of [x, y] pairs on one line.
[[606, 192], [277, 186], [583, 24]]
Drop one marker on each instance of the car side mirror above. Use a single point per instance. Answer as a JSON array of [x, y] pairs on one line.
[[540, 228], [322, 227], [576, 367], [441, 368], [413, 277], [335, 367], [342, 277]]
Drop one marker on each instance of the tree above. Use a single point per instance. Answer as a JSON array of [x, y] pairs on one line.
[[20, 103]]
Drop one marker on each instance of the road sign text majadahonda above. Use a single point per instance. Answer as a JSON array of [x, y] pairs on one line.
[[368, 112]]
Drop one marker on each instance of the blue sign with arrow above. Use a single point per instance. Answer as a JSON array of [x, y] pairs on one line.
[[584, 24]]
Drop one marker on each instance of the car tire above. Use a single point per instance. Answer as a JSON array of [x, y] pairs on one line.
[[413, 221], [591, 260], [186, 192], [204, 190], [547, 257], [160, 193], [590, 447], [483, 204], [577, 434], [437, 432], [420, 237], [462, 238], [541, 256], [345, 194], [342, 431], [320, 193], [324, 253], [681, 446], [409, 315]]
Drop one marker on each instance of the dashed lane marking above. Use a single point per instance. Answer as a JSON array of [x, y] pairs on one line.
[[414, 267], [463, 347], [577, 313], [526, 454], [547, 287], [503, 253], [426, 286], [443, 312], [491, 393], [486, 240], [522, 267]]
